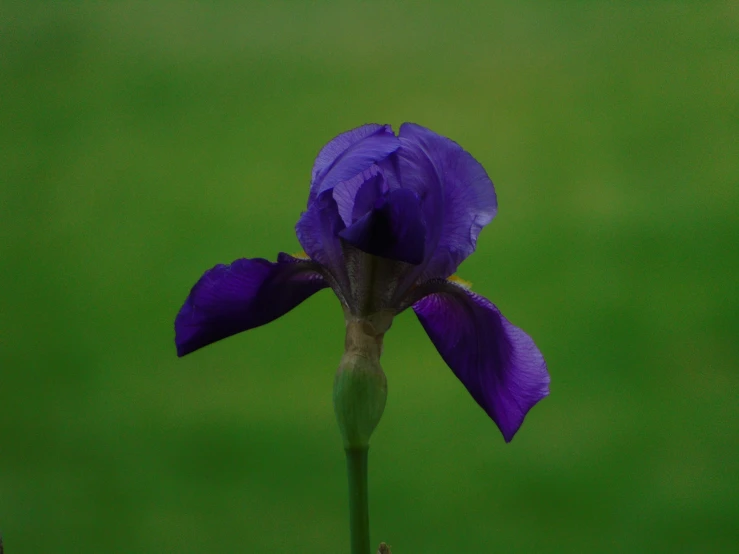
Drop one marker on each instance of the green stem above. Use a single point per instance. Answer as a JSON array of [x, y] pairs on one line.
[[356, 466]]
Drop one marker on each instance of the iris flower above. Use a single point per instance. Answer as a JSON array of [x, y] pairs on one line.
[[389, 219]]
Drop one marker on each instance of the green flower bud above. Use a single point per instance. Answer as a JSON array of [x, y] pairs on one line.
[[360, 386]]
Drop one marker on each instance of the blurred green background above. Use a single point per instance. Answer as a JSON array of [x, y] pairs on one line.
[[143, 142]]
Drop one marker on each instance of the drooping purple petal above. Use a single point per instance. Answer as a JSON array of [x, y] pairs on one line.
[[393, 229], [248, 293], [457, 196], [497, 362], [349, 154]]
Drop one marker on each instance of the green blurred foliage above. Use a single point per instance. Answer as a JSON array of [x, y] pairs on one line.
[[143, 142]]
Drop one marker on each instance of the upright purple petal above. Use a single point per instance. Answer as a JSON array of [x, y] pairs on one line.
[[393, 229], [457, 196], [368, 194], [349, 154], [357, 196], [496, 361], [248, 293], [318, 233]]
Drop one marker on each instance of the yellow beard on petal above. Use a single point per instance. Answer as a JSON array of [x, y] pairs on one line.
[[301, 255], [461, 282]]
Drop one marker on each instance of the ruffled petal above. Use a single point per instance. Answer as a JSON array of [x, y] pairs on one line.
[[496, 361], [393, 229], [248, 293], [349, 154], [457, 196]]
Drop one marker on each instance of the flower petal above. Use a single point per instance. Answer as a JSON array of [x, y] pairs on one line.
[[369, 193], [356, 196], [318, 233], [496, 361], [349, 154], [393, 229], [457, 195], [248, 293]]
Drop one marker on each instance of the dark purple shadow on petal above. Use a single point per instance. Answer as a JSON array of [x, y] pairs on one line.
[[248, 293], [349, 154], [457, 196], [497, 362], [393, 229]]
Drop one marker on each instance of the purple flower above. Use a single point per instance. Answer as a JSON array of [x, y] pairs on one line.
[[389, 219]]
